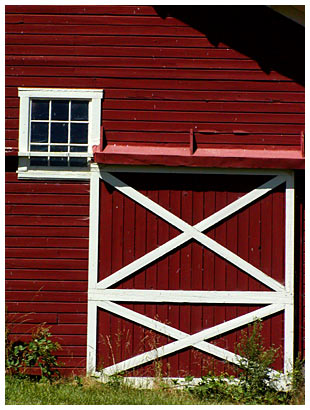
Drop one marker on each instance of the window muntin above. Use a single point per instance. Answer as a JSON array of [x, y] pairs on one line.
[[57, 131], [59, 126]]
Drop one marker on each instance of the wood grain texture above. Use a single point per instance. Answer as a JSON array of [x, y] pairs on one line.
[[191, 198], [161, 74], [46, 263]]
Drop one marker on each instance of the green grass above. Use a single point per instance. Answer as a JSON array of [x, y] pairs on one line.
[[24, 391], [88, 391]]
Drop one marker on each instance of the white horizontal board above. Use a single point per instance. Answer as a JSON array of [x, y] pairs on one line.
[[54, 154], [59, 93], [49, 174], [190, 296]]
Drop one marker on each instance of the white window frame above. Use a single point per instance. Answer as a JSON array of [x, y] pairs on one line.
[[94, 97]]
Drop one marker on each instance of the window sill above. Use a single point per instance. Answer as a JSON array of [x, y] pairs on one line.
[[57, 173]]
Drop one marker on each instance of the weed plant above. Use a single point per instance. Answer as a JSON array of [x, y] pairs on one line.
[[255, 383], [20, 356]]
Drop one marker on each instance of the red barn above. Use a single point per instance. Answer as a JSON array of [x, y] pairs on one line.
[[155, 183]]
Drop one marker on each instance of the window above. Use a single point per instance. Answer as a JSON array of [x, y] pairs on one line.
[[57, 130]]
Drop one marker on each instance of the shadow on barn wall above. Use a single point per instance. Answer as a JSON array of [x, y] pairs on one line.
[[272, 40]]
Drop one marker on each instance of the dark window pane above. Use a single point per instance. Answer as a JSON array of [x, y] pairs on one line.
[[59, 132], [59, 148], [79, 133], [38, 161], [39, 148], [60, 110], [39, 132], [39, 110], [79, 110], [78, 162], [78, 149], [59, 161]]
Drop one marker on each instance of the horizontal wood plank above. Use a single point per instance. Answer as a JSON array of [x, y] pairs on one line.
[[93, 19], [106, 41], [59, 329], [190, 95], [70, 318], [47, 220], [46, 263], [49, 199], [243, 128], [127, 51], [46, 253], [198, 117], [47, 187], [150, 73], [43, 286], [47, 296], [46, 242], [72, 9], [46, 307], [135, 62], [78, 232], [39, 274], [33, 317], [164, 84], [47, 210], [129, 30]]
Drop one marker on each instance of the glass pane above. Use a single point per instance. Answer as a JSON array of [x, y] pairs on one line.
[[59, 148], [39, 148], [38, 161], [78, 162], [39, 109], [59, 132], [79, 110], [39, 132], [59, 162], [79, 133], [78, 149], [60, 110]]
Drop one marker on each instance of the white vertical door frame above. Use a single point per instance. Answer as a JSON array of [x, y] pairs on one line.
[[93, 267], [97, 295], [289, 272]]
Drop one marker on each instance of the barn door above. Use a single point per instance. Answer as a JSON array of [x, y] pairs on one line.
[[180, 261]]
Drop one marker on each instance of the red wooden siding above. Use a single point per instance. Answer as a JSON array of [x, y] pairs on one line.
[[128, 231], [46, 263], [161, 75]]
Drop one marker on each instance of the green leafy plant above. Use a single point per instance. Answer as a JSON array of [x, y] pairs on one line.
[[255, 383], [255, 376], [14, 356], [218, 389], [116, 381], [297, 391], [39, 351]]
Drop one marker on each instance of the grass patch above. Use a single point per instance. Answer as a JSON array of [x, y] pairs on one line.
[[23, 391], [88, 391]]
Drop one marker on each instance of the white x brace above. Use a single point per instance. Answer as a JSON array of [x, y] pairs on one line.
[[100, 296]]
